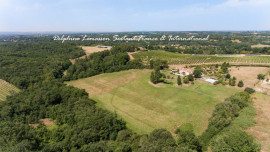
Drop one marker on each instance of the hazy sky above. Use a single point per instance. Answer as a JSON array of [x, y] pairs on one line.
[[133, 15]]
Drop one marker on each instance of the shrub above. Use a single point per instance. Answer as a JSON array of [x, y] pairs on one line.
[[190, 77], [249, 90], [197, 73], [185, 80], [260, 76], [237, 140], [240, 84], [228, 76]]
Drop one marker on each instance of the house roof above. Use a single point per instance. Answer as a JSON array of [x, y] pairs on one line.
[[187, 70]]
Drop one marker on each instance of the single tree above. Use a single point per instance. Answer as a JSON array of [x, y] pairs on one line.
[[228, 76], [185, 80], [249, 90], [157, 74], [233, 82], [240, 83], [261, 76], [152, 78], [151, 64], [179, 82], [190, 77], [197, 73]]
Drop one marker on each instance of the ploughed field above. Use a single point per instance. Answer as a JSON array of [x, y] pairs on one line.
[[6, 89], [145, 106], [176, 58]]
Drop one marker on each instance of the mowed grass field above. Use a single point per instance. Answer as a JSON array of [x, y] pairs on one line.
[[6, 89], [176, 58], [145, 107]]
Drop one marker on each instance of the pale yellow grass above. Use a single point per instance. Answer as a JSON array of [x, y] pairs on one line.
[[259, 46], [248, 74], [261, 131], [89, 50], [236, 41]]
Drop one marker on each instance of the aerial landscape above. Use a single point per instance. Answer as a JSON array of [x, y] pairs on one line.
[[119, 76]]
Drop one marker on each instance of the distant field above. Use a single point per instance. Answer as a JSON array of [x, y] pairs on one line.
[[176, 58], [259, 46], [6, 89], [145, 107], [89, 50], [236, 41]]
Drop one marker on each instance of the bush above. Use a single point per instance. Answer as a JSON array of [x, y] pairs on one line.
[[190, 77], [249, 90], [124, 135], [240, 84], [188, 139], [158, 140], [185, 80], [261, 76], [197, 73], [228, 76], [237, 140]]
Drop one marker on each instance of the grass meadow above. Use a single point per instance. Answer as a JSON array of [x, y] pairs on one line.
[[146, 107]]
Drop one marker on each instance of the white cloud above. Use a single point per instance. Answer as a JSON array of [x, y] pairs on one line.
[[246, 2]]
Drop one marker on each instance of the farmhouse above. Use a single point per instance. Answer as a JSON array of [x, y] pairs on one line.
[[182, 71]]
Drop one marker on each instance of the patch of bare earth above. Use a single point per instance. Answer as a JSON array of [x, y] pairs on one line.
[[130, 56], [89, 50], [158, 85], [259, 46], [261, 131], [236, 41], [46, 121], [247, 74]]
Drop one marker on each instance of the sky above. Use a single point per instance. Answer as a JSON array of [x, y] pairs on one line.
[[133, 15]]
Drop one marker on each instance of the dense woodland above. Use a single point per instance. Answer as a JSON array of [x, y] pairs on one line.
[[79, 125], [25, 64], [106, 61]]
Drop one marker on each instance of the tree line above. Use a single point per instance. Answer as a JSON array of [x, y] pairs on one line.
[[106, 61]]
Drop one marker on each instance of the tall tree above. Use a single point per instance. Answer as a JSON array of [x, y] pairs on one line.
[[179, 82], [197, 73], [157, 74], [152, 78]]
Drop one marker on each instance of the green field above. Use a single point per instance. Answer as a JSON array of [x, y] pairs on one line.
[[145, 107], [176, 58], [6, 89]]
